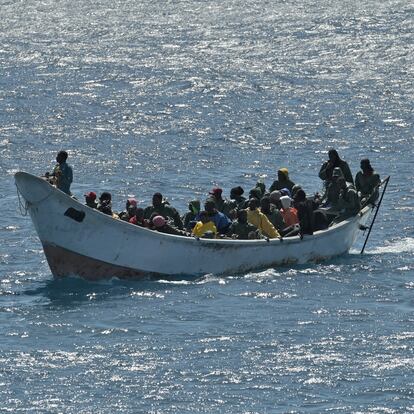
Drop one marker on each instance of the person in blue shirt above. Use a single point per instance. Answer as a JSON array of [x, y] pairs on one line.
[[62, 175], [221, 221]]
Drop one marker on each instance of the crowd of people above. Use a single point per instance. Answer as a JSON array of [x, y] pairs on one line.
[[283, 210]]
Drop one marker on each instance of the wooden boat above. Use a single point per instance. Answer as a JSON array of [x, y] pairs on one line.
[[78, 240]]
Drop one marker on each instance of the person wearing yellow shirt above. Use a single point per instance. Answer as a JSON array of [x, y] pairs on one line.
[[258, 219], [205, 225]]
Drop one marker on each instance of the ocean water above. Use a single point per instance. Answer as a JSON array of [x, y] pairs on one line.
[[177, 97]]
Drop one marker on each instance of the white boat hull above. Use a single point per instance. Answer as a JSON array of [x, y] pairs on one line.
[[99, 247]]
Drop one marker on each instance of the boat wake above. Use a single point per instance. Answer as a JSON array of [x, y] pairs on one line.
[[404, 245]]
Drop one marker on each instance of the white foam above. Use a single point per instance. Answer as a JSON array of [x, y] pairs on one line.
[[405, 245]]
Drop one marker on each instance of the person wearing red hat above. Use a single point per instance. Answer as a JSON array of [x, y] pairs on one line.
[[90, 200], [222, 205]]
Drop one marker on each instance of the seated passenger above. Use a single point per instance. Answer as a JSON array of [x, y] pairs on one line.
[[160, 224], [275, 199], [282, 181], [138, 218], [105, 204], [188, 218], [348, 203], [236, 195], [305, 214], [261, 186], [162, 208], [90, 200], [259, 220], [331, 196], [241, 229], [272, 213], [289, 213], [215, 194], [128, 213], [285, 192], [367, 183], [222, 205], [220, 220], [295, 188], [205, 225]]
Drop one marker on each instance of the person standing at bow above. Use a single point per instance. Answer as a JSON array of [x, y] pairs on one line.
[[62, 175]]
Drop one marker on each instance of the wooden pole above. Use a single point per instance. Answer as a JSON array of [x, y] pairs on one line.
[[376, 212]]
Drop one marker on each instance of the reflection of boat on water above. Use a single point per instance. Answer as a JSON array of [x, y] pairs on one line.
[[78, 240]]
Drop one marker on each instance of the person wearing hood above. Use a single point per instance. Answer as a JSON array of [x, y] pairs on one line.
[[163, 209], [367, 183], [282, 181], [188, 218], [334, 161], [258, 219]]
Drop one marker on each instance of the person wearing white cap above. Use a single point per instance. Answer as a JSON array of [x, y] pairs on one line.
[[289, 214]]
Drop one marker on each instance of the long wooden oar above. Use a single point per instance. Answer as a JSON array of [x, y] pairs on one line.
[[376, 211]]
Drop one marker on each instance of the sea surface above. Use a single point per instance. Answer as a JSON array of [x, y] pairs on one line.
[[177, 97]]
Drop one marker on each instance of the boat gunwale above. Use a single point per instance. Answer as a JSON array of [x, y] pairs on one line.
[[190, 239]]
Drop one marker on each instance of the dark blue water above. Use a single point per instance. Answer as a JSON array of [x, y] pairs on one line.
[[178, 97]]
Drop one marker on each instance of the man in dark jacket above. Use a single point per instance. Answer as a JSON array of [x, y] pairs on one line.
[[272, 213], [163, 209], [367, 183], [236, 195], [282, 181], [348, 203], [325, 173], [241, 229]]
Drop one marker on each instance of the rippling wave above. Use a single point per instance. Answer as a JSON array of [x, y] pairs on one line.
[[178, 97]]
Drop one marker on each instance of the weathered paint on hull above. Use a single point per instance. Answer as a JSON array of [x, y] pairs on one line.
[[63, 262], [95, 246]]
